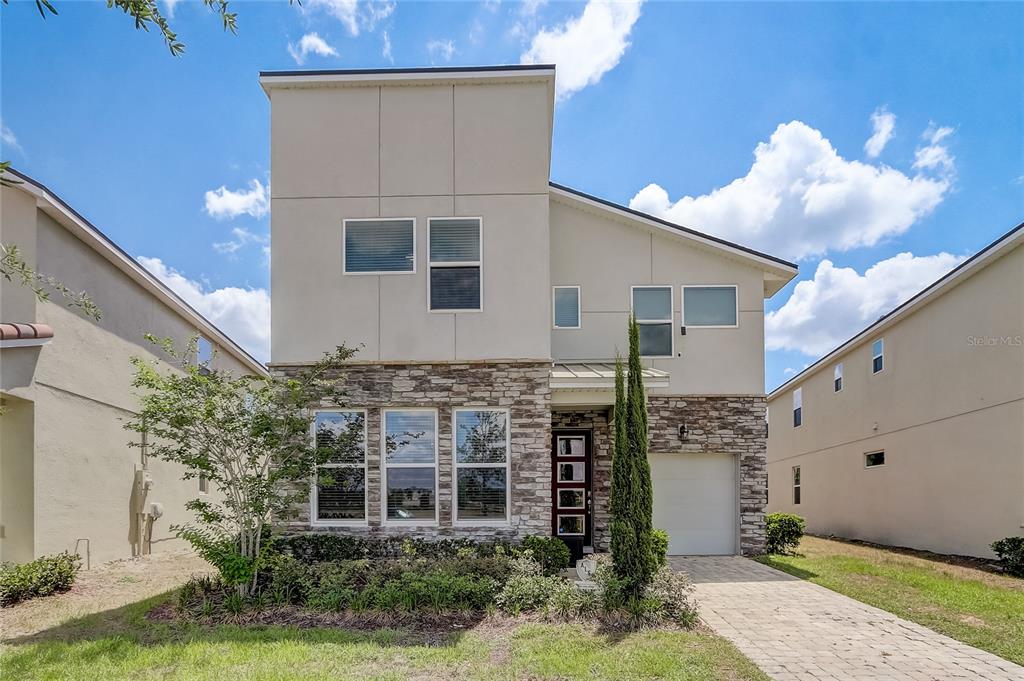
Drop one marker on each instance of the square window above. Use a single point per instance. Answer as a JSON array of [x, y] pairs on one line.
[[411, 494], [710, 306], [566, 303], [380, 246], [571, 498], [575, 471], [873, 459], [571, 446], [482, 493], [570, 524]]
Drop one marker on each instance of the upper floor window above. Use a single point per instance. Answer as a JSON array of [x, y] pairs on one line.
[[652, 308], [566, 304], [710, 306], [339, 495], [481, 465], [379, 246], [204, 354], [872, 459], [798, 407], [878, 355], [455, 255], [410, 465], [837, 377]]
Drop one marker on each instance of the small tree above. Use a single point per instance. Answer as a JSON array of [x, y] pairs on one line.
[[249, 436], [633, 555]]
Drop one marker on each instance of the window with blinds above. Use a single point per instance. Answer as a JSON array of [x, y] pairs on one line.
[[385, 246], [481, 445], [652, 308], [710, 306], [455, 256], [566, 304], [339, 495], [410, 465]]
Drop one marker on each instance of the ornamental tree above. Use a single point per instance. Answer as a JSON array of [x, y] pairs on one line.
[[249, 436]]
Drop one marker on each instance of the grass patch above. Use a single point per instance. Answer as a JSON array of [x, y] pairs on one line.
[[124, 643], [976, 607]]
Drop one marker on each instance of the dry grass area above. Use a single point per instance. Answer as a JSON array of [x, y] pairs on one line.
[[105, 587]]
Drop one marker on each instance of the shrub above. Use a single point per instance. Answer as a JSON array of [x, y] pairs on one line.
[[783, 532], [40, 577], [438, 590], [287, 580], [659, 544], [527, 588], [673, 591], [551, 552], [568, 602], [335, 584], [612, 589], [316, 548], [1011, 554]]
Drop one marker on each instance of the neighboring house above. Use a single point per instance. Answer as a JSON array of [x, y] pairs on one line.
[[413, 217], [68, 479], [912, 432]]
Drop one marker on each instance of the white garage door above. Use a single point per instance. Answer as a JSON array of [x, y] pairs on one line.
[[695, 502]]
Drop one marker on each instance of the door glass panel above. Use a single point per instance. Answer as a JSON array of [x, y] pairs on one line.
[[572, 472], [571, 498], [570, 524], [570, 446]]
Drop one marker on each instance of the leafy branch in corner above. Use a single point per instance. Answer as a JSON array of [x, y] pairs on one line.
[[13, 267]]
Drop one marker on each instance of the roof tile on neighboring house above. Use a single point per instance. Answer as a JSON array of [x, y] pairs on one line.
[[13, 334]]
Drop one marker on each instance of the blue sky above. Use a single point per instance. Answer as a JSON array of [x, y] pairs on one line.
[[751, 121]]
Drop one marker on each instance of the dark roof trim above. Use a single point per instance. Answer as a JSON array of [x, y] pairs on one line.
[[113, 246], [418, 69], [666, 223], [917, 297]]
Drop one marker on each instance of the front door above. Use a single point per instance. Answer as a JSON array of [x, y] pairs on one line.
[[571, 503]]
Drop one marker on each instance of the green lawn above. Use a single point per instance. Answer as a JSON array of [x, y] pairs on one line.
[[982, 609], [122, 643]]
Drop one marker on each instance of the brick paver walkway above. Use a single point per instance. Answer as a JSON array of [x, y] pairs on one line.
[[796, 631]]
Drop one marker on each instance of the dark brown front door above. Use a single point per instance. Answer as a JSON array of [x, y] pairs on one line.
[[571, 502]]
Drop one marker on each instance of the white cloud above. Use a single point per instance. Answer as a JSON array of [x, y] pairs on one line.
[[224, 203], [445, 49], [243, 314], [352, 14], [934, 155], [242, 237], [800, 198], [8, 138], [170, 5], [585, 47], [386, 51], [311, 42], [788, 371], [829, 309], [883, 123], [529, 8]]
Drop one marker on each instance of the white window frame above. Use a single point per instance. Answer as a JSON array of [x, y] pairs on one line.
[[508, 471], [384, 466], [837, 375], [874, 356], [877, 465], [798, 403], [558, 499], [583, 519], [671, 320], [314, 519], [682, 306], [797, 486], [579, 308], [465, 263], [344, 241]]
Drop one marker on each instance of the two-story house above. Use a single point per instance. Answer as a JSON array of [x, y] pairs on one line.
[[413, 217]]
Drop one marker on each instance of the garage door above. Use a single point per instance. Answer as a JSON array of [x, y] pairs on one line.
[[695, 502]]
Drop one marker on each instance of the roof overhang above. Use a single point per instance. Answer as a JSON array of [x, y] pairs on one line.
[[593, 383], [413, 76], [777, 272]]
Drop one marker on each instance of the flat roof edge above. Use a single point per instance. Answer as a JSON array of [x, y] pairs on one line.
[[500, 68]]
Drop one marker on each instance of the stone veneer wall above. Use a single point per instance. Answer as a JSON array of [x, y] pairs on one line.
[[723, 424], [523, 388], [598, 420]]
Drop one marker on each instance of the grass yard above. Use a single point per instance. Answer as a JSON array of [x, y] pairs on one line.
[[123, 643], [980, 608]]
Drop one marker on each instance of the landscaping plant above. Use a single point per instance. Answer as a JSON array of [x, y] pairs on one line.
[[1011, 555], [783, 532], [249, 436], [551, 552], [41, 577]]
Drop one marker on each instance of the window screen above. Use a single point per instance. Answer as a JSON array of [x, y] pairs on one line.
[[455, 264], [709, 306], [380, 246], [567, 307]]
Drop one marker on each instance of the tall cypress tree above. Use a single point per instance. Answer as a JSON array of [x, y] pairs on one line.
[[623, 542]]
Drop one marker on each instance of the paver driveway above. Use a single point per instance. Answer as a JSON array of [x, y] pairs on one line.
[[796, 630]]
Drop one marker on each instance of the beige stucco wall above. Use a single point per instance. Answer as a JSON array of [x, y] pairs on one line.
[[78, 388], [948, 410], [420, 151], [605, 256]]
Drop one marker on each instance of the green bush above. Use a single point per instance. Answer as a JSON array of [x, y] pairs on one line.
[[335, 585], [320, 547], [1011, 554], [783, 532], [438, 591], [569, 602], [527, 587], [551, 552], [41, 577], [286, 579], [659, 544], [674, 592]]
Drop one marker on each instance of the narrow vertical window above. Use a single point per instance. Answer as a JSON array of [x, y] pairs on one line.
[[566, 306], [410, 465], [798, 404], [652, 308], [204, 354], [204, 484], [455, 255], [878, 355], [339, 495], [837, 378], [481, 447], [796, 485]]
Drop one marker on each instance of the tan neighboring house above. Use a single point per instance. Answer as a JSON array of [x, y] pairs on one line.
[[413, 216], [68, 479], [912, 432]]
